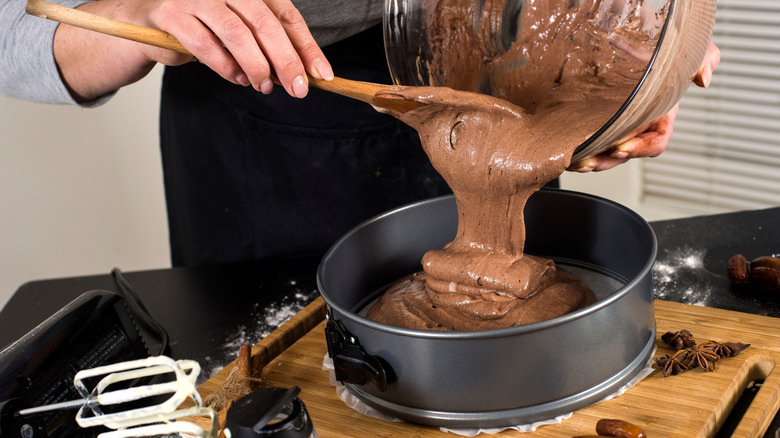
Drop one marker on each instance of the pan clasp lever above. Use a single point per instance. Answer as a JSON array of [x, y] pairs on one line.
[[351, 362]]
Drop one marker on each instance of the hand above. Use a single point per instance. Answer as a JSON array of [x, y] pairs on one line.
[[248, 42], [654, 136]]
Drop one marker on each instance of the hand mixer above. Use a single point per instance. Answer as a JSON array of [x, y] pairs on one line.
[[127, 399]]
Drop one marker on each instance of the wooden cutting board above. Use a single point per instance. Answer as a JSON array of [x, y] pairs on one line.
[[692, 404]]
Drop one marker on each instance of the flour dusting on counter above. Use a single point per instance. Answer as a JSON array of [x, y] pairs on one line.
[[676, 268], [264, 320]]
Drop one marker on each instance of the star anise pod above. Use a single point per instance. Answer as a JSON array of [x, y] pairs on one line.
[[701, 356], [679, 340], [689, 355], [725, 349], [673, 365]]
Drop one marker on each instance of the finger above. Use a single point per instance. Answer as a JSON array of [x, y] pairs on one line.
[[703, 77], [650, 143], [597, 163], [165, 56], [275, 43], [583, 166], [201, 42], [605, 162], [295, 26], [235, 31], [653, 141]]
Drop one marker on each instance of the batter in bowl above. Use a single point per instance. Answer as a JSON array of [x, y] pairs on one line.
[[565, 76]]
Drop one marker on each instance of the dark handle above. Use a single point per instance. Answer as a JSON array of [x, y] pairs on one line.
[[351, 362]]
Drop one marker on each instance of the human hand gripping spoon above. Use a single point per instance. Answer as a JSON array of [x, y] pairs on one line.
[[363, 91]]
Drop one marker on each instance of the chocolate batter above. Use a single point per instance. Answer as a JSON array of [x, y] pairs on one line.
[[562, 79]]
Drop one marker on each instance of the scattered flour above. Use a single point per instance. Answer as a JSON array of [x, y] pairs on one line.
[[678, 268], [264, 320]]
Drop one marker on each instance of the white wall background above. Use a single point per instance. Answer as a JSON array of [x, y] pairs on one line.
[[81, 189]]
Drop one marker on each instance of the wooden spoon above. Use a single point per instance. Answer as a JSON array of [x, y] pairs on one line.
[[363, 91]]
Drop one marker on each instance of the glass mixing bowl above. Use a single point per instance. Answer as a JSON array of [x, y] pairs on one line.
[[683, 28]]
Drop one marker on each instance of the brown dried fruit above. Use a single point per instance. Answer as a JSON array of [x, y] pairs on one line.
[[765, 278], [766, 262], [738, 269], [619, 428]]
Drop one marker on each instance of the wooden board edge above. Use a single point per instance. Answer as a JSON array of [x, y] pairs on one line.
[[287, 334], [268, 348], [763, 408]]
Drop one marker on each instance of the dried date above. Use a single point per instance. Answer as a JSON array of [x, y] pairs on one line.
[[619, 428], [763, 273], [766, 262], [765, 279], [738, 269]]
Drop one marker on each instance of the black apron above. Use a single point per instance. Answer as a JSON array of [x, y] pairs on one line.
[[251, 176]]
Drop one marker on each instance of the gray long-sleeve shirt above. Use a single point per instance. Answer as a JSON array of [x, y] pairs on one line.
[[28, 70], [27, 67]]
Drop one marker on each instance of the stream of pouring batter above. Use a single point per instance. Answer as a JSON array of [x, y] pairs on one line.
[[563, 79]]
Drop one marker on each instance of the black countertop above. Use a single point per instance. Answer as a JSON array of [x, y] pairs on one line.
[[693, 252], [210, 312]]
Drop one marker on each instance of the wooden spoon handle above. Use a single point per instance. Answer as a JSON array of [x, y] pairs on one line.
[[363, 91]]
